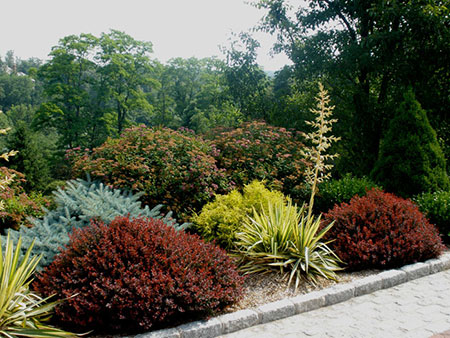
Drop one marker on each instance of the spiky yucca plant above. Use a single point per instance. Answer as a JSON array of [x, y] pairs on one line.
[[288, 238], [22, 312], [319, 169], [285, 239]]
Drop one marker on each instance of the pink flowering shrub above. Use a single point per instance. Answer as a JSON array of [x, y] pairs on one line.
[[257, 151], [174, 168]]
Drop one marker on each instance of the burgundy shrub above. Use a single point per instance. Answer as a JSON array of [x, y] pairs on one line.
[[133, 275], [381, 230]]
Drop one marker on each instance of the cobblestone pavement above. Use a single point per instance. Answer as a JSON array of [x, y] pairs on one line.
[[419, 308]]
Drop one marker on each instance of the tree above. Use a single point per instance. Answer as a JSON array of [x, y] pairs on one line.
[[67, 79], [369, 51], [124, 65], [411, 160], [30, 159], [247, 83]]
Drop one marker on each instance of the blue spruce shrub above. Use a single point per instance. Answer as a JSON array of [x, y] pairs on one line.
[[76, 205]]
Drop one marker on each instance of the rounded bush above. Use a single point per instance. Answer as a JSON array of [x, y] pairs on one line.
[[133, 275], [381, 230], [221, 219], [258, 151], [173, 168], [436, 207], [334, 192]]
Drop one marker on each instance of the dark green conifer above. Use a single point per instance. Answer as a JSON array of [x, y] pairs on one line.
[[410, 160], [30, 159]]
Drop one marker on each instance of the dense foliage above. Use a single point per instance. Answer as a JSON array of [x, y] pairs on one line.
[[380, 230], [256, 150], [17, 205], [76, 204], [411, 160], [138, 274], [342, 190], [220, 219], [174, 168], [368, 51], [23, 313], [285, 239], [436, 207]]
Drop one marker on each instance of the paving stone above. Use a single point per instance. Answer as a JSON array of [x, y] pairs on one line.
[[367, 285], [201, 329], [416, 270], [379, 314], [309, 302], [276, 310], [239, 320], [168, 333], [391, 278], [339, 293], [436, 265]]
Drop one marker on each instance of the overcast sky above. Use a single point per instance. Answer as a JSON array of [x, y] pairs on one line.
[[177, 28]]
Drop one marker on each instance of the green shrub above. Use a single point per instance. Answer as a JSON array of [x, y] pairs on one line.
[[258, 151], [337, 191], [79, 203], [221, 219], [436, 207], [411, 160], [284, 238], [175, 168]]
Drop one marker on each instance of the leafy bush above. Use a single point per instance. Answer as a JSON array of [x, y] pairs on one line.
[[221, 219], [258, 151], [285, 239], [411, 160], [77, 204], [436, 207], [138, 274], [174, 168], [17, 205], [337, 191], [381, 230], [22, 312]]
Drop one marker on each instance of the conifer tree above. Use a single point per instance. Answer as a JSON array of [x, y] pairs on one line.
[[410, 160], [30, 159]]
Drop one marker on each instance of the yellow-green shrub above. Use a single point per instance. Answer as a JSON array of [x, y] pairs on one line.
[[221, 219]]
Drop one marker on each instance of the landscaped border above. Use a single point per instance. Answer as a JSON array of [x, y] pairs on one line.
[[242, 319]]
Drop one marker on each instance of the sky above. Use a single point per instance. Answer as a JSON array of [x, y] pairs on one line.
[[176, 28]]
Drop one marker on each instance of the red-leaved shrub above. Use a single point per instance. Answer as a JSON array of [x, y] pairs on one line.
[[138, 274], [381, 230]]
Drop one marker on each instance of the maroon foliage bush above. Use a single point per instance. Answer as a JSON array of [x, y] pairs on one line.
[[138, 274], [381, 230]]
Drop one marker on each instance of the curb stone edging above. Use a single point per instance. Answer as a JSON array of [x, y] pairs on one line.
[[284, 308]]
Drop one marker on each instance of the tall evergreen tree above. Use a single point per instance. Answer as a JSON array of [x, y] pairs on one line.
[[411, 160], [30, 159]]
